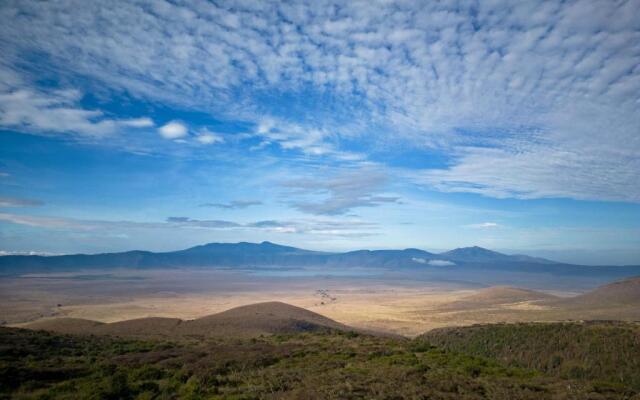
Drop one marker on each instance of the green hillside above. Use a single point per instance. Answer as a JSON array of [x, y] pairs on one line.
[[604, 351], [339, 365]]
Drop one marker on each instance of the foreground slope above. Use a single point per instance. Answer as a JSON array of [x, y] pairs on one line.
[[250, 320], [331, 365], [603, 350]]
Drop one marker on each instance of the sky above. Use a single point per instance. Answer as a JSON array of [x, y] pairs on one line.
[[157, 125]]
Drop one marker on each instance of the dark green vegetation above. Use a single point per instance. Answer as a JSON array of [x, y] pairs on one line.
[[608, 352], [330, 365]]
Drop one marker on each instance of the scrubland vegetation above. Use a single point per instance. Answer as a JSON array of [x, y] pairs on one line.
[[334, 365], [603, 351]]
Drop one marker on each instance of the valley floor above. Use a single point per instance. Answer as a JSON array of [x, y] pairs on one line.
[[387, 304]]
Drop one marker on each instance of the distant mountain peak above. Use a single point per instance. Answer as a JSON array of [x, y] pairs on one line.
[[242, 247], [267, 243], [480, 254], [473, 250]]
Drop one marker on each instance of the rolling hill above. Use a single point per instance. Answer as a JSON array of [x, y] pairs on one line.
[[65, 325], [623, 292], [613, 301], [246, 321], [262, 318]]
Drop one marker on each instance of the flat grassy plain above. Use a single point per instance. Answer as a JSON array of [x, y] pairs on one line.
[[397, 305], [366, 302]]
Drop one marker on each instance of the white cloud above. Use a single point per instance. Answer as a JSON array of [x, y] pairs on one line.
[[435, 263], [441, 263], [58, 112], [173, 130], [207, 137], [27, 253], [138, 122], [51, 112], [484, 225], [290, 136]]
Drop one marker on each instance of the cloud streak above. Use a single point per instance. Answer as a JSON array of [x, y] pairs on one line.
[[484, 225], [233, 205], [341, 193], [19, 202], [313, 227]]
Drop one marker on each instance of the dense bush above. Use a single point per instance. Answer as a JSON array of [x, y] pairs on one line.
[[38, 365], [598, 351]]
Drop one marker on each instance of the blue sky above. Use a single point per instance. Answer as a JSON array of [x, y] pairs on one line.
[[326, 125]]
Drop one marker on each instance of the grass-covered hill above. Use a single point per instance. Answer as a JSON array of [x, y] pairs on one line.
[[624, 292], [318, 365], [245, 321], [605, 351]]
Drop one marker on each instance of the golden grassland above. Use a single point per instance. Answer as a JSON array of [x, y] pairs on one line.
[[400, 307]]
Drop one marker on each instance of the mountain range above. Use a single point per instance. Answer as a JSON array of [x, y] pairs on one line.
[[258, 254], [267, 254]]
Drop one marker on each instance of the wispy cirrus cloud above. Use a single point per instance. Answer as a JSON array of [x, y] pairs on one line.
[[233, 205], [207, 137], [314, 227], [484, 225], [339, 194], [40, 221], [27, 253], [19, 202]]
